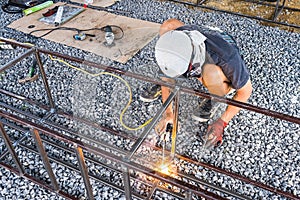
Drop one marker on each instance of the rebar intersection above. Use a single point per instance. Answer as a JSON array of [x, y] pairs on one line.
[[125, 160]]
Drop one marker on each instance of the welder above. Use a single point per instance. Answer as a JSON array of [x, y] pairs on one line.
[[209, 55]]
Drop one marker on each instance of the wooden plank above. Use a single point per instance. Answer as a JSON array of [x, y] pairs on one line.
[[137, 33]]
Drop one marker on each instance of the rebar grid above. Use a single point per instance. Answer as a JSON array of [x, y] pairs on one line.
[[277, 10], [127, 160]]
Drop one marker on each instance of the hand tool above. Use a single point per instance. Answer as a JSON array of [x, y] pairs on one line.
[[31, 75]]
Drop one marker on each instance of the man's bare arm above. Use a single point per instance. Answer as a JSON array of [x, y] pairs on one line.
[[241, 95]]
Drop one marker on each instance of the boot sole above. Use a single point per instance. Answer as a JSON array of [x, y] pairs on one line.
[[147, 100], [199, 119]]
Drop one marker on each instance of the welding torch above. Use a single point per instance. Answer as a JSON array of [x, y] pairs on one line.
[[165, 137]]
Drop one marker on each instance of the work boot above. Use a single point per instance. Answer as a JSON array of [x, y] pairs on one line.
[[205, 110], [151, 93]]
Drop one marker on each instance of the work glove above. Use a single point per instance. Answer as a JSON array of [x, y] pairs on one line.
[[214, 134]]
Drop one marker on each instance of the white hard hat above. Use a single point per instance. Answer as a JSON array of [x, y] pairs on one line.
[[173, 52], [174, 49]]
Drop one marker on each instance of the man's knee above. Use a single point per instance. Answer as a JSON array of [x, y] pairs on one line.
[[215, 80], [213, 75]]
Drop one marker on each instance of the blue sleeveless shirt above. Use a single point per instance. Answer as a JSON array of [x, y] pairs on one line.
[[223, 52]]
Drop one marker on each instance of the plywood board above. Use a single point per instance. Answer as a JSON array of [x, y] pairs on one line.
[[137, 33], [101, 3]]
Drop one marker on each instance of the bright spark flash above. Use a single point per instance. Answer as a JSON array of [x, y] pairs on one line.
[[164, 168]]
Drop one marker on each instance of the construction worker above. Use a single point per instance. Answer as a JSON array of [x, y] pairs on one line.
[[212, 57]]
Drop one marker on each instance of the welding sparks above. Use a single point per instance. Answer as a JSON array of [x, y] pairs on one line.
[[164, 168]]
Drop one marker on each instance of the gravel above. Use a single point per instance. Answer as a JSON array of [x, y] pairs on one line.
[[259, 147]]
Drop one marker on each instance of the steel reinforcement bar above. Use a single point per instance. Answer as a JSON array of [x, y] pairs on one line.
[[125, 161], [228, 101], [78, 147], [277, 10], [124, 135], [119, 151]]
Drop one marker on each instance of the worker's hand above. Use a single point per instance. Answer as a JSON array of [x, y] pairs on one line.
[[214, 134], [161, 127]]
